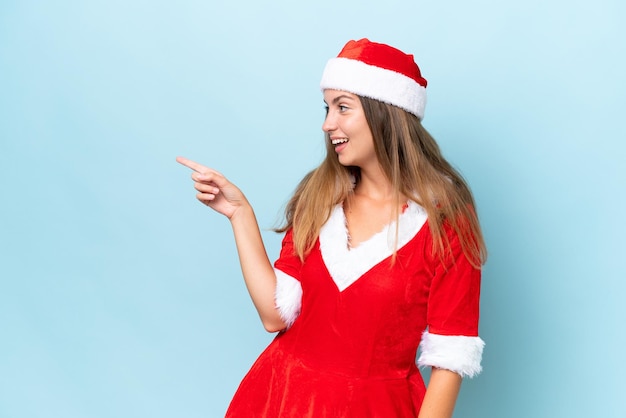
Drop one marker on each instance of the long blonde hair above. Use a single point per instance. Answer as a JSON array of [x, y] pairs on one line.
[[413, 163]]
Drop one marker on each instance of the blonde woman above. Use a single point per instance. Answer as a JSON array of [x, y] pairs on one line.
[[382, 254]]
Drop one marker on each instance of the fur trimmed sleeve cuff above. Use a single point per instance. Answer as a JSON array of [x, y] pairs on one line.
[[288, 297], [456, 353]]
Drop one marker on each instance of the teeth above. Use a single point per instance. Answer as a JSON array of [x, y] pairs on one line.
[[339, 141]]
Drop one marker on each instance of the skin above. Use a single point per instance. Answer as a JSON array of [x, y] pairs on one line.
[[370, 209], [441, 393]]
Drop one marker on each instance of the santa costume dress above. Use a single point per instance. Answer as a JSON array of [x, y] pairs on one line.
[[355, 322]]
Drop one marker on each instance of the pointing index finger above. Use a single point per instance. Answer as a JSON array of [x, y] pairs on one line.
[[198, 168]]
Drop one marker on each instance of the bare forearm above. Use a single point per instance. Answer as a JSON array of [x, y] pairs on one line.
[[256, 267], [441, 394], [215, 191]]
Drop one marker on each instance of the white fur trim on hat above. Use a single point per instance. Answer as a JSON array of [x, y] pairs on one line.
[[288, 297], [457, 353], [376, 83]]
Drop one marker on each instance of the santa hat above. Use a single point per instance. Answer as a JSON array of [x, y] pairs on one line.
[[380, 72]]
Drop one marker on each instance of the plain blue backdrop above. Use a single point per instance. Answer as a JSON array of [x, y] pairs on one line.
[[121, 296]]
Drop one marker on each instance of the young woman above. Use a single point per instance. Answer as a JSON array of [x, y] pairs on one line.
[[381, 254]]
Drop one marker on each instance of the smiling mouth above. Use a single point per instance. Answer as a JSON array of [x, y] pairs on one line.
[[339, 141]]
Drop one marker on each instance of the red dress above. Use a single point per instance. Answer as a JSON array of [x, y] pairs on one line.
[[360, 318]]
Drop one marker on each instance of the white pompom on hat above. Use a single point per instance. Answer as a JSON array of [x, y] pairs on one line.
[[380, 72]]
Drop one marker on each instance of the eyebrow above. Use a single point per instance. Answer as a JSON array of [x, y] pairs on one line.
[[339, 98]]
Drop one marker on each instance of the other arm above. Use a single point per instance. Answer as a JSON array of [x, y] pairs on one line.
[[451, 346]]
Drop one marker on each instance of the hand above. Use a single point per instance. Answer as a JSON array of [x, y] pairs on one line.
[[214, 190]]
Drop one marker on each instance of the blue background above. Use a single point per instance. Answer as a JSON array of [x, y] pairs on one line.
[[121, 296]]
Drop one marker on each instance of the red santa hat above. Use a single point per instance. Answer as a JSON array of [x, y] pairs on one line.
[[380, 72]]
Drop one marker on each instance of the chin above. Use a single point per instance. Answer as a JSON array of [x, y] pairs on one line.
[[345, 162]]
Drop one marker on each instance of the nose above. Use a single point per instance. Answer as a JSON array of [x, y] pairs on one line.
[[329, 124]]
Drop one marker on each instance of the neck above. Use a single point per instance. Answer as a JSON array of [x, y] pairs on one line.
[[374, 185]]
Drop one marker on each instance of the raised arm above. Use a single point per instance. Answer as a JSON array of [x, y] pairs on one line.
[[215, 191]]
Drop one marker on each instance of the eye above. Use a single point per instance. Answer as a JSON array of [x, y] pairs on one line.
[[326, 109], [343, 108]]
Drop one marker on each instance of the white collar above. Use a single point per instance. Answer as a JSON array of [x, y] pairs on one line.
[[346, 265]]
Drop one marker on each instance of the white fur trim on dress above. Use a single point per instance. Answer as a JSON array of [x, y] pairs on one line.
[[288, 297], [457, 353], [346, 264], [375, 82]]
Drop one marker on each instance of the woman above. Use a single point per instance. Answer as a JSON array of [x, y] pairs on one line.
[[381, 254]]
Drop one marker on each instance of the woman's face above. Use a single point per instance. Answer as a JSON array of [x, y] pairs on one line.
[[348, 130]]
